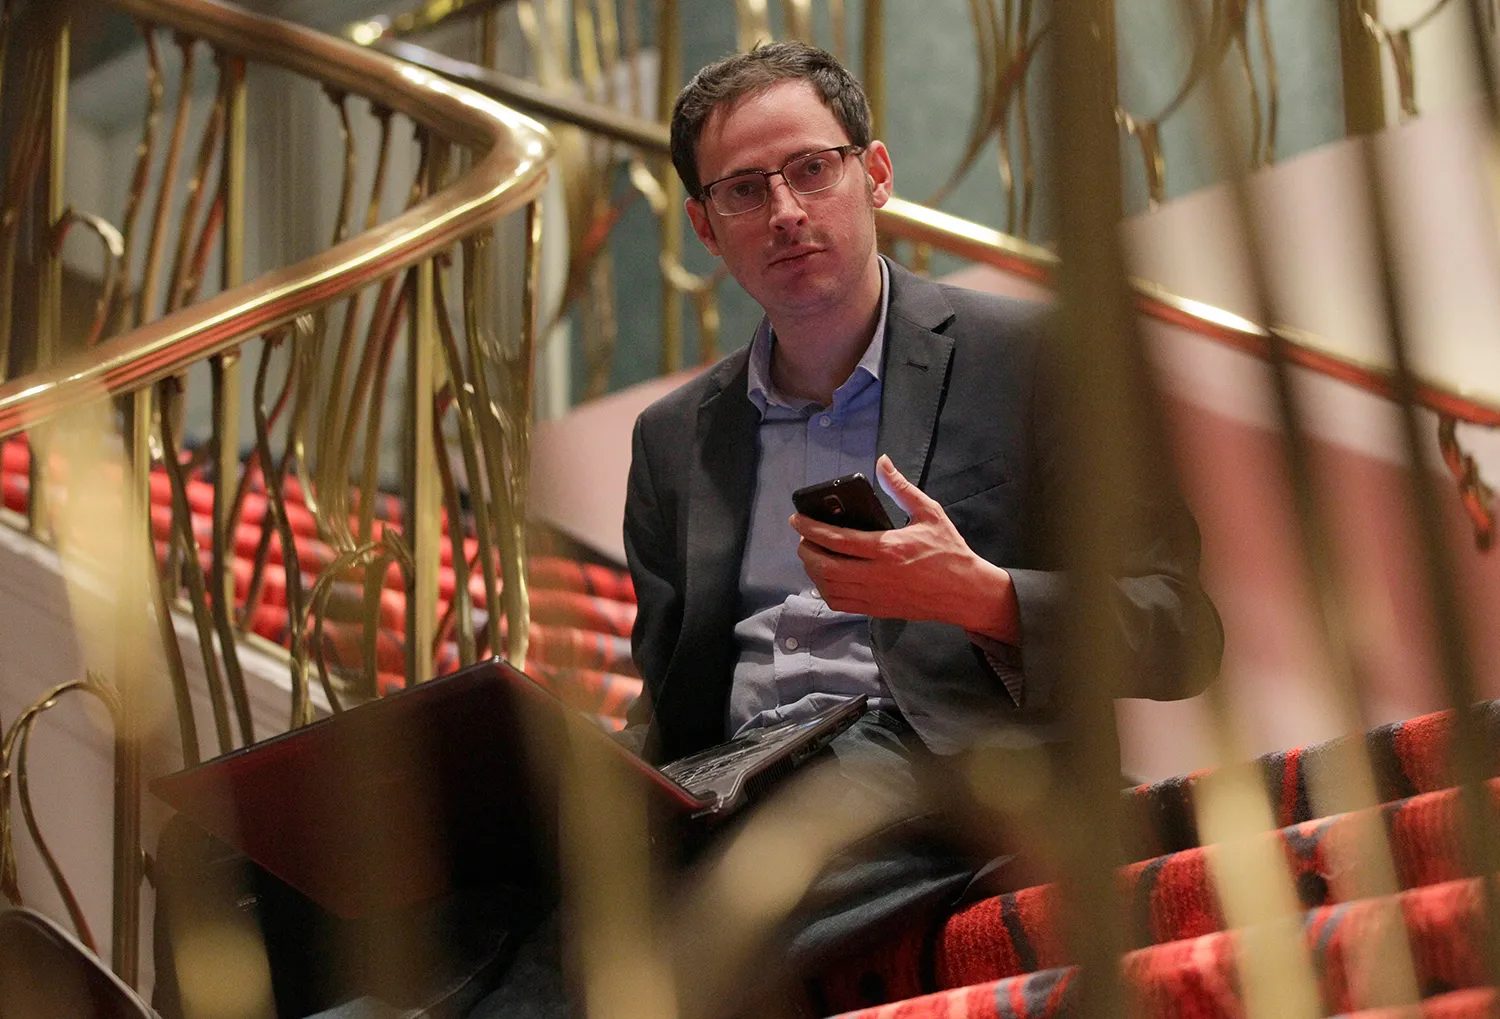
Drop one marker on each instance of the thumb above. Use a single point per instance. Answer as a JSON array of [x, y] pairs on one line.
[[906, 495]]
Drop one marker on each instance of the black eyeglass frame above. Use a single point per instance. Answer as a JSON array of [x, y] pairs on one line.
[[844, 151]]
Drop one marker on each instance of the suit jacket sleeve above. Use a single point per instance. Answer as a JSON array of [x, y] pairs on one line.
[[1000, 464], [1165, 626]]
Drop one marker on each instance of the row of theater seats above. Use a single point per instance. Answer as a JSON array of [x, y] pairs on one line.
[[1004, 956]]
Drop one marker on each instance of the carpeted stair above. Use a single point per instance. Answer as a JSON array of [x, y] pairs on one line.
[[1177, 922]]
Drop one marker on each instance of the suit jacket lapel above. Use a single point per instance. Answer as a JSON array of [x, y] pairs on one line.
[[914, 376], [719, 502]]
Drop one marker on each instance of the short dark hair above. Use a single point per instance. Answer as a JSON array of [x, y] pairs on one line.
[[733, 78]]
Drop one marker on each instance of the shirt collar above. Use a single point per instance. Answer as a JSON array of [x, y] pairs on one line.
[[760, 389]]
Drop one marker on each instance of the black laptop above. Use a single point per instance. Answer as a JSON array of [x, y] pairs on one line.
[[454, 783]]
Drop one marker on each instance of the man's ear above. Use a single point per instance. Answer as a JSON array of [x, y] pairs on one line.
[[878, 169], [698, 214]]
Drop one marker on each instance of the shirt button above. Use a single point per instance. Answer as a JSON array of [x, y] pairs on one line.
[[790, 644], [825, 420]]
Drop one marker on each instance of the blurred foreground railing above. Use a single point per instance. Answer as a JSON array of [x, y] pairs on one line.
[[390, 330]]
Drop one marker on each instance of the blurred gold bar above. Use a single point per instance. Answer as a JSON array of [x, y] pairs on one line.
[[1252, 878], [489, 32], [156, 247], [423, 495], [136, 589], [872, 54], [753, 26], [1364, 91], [227, 379], [669, 80], [49, 277], [1112, 432], [1471, 746]]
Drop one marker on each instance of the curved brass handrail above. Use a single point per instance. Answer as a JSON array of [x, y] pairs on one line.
[[511, 173], [978, 243], [917, 223]]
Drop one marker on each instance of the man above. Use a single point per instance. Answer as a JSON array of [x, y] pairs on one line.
[[750, 614], [950, 623]]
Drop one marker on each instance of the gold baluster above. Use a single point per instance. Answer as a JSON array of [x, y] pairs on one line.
[[7, 16], [1252, 878], [481, 439], [1364, 94], [49, 262], [380, 344], [1023, 107], [226, 376], [798, 17], [114, 251], [520, 370], [330, 505], [1471, 747], [180, 281], [753, 24], [458, 618], [22, 165], [632, 59], [669, 81], [274, 473], [169, 394], [15, 751], [140, 180], [139, 587], [1096, 327], [1266, 156], [146, 302], [872, 60], [489, 32], [421, 484]]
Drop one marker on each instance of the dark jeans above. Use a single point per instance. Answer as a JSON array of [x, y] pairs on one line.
[[902, 874]]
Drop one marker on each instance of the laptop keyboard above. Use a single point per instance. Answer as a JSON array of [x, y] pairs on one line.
[[715, 771]]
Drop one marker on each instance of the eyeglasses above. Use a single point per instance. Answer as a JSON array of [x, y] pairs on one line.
[[807, 175]]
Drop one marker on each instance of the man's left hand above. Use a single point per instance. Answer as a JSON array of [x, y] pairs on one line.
[[923, 571]]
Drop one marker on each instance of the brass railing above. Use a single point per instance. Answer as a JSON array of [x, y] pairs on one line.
[[322, 338]]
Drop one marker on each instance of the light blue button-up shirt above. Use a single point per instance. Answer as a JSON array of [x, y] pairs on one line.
[[796, 655]]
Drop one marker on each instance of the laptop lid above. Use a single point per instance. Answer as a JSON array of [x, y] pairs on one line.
[[449, 784]]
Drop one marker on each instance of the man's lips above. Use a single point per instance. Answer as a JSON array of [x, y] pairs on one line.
[[794, 254]]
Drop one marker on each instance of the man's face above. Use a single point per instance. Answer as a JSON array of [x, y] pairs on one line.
[[797, 255]]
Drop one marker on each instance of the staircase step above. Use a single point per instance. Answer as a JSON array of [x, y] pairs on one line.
[[1408, 757], [1170, 898], [1198, 978]]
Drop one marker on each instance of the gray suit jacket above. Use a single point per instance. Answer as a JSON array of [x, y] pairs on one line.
[[970, 413]]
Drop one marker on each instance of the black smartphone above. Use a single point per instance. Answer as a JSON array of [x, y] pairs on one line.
[[849, 501]]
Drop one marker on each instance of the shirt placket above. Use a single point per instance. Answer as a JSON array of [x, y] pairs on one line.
[[795, 630]]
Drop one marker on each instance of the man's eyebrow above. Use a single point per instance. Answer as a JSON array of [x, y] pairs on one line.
[[788, 159]]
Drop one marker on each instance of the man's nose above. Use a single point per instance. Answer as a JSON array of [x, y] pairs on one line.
[[786, 207]]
